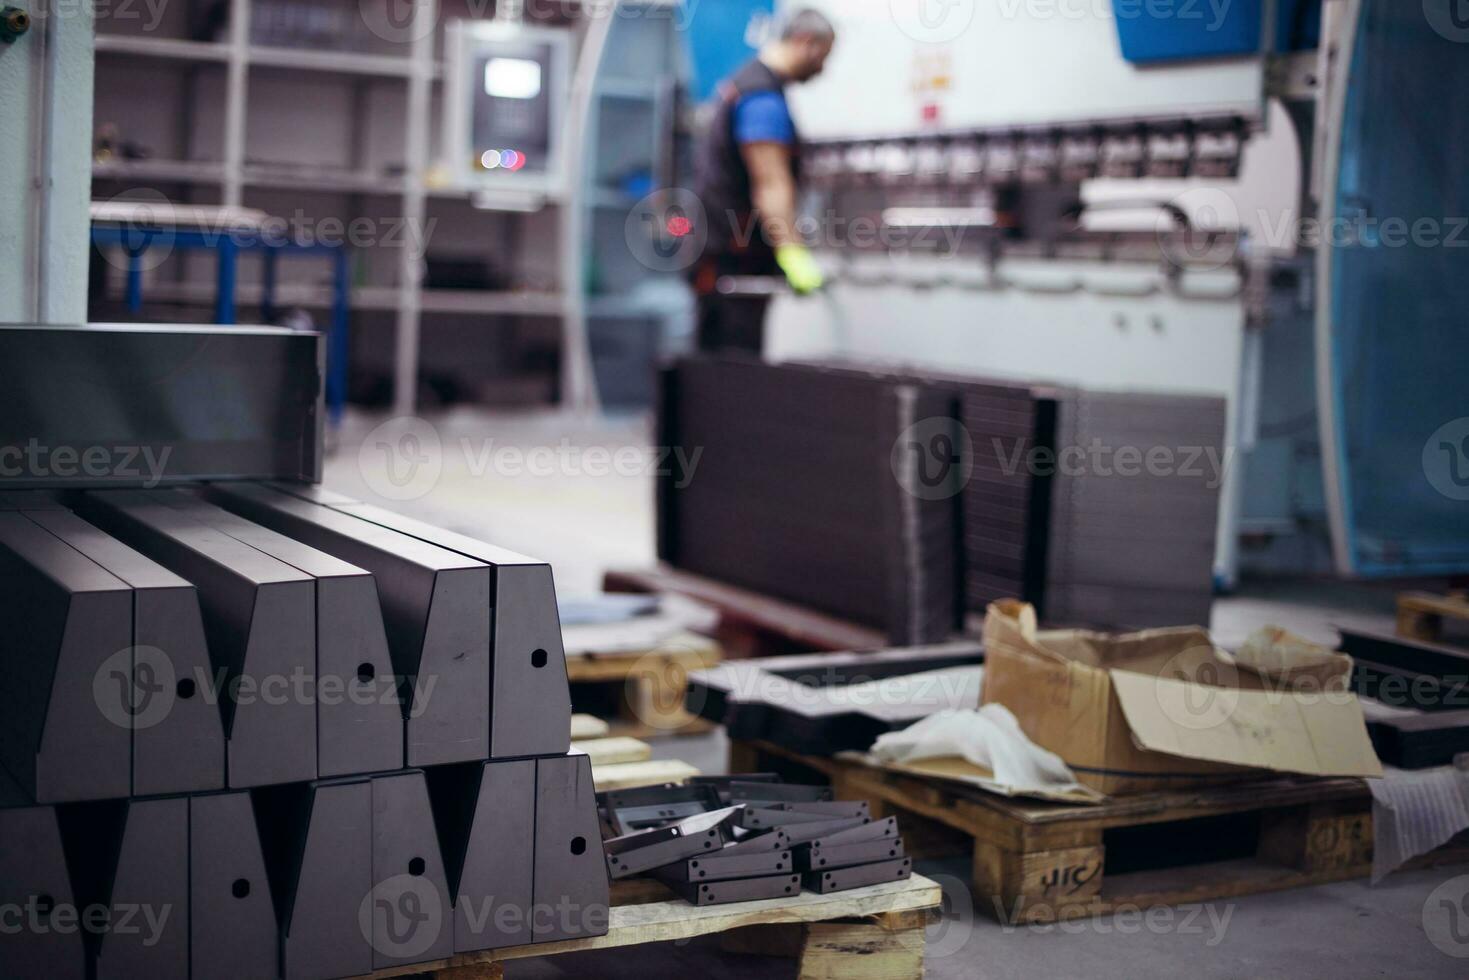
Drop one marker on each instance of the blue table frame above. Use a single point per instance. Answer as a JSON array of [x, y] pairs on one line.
[[137, 240]]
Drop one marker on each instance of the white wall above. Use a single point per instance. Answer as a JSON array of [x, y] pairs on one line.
[[998, 62], [46, 166]]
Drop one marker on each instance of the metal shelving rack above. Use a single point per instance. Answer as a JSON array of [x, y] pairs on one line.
[[417, 68]]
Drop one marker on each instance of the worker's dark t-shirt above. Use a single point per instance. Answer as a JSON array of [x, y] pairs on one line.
[[752, 108]]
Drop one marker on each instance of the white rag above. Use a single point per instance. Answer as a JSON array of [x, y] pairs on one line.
[[1005, 761]]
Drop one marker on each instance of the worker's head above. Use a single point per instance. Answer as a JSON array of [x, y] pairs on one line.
[[805, 42]]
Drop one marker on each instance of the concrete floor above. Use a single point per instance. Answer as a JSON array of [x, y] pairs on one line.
[[580, 494]]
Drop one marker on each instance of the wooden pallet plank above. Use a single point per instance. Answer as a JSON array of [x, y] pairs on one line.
[[630, 775], [615, 750], [1041, 862], [1421, 614], [587, 726], [897, 907]]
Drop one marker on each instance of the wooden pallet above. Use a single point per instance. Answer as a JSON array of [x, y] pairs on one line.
[[875, 932], [751, 624], [649, 685], [620, 762], [1421, 614], [1040, 862]]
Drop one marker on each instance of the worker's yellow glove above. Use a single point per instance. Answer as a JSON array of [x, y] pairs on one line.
[[800, 267]]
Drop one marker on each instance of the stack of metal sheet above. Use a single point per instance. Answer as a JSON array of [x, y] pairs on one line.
[[1098, 508], [1007, 429], [249, 728], [796, 488], [1135, 509]]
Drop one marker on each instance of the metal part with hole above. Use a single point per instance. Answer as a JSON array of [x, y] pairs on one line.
[[359, 727], [232, 929], [740, 890], [842, 879], [408, 879], [433, 607], [33, 875], [260, 623], [179, 746], [571, 893], [531, 702], [819, 857]]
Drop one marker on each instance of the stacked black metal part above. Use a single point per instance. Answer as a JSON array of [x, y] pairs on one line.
[[253, 730], [842, 485], [742, 838], [1424, 686], [792, 492]]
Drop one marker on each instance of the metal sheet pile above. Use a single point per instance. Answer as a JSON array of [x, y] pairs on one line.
[[258, 730], [743, 838], [1419, 711], [905, 498]]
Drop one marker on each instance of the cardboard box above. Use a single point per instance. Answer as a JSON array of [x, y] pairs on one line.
[[1166, 709]]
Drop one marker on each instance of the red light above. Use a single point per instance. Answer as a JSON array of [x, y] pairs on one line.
[[680, 227]]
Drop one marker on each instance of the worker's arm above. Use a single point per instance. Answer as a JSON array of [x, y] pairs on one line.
[[773, 190], [773, 193]]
